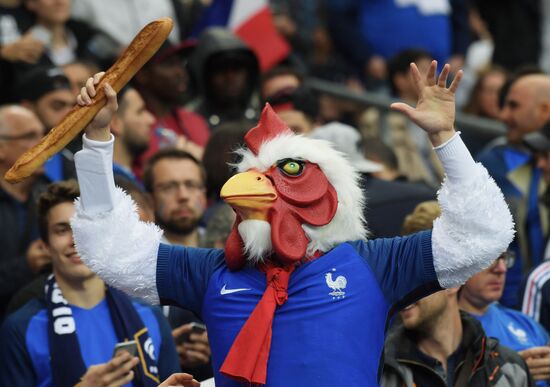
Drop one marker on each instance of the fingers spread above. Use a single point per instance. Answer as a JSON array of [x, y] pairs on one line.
[[402, 107], [442, 81], [456, 81], [417, 78], [431, 73]]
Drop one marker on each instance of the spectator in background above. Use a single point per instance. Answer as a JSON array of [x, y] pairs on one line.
[[67, 336], [526, 108], [297, 22], [47, 92], [298, 108], [23, 253], [131, 125], [226, 72], [479, 296], [484, 98], [15, 47], [376, 150], [364, 31], [218, 157], [516, 30], [388, 202], [175, 180], [278, 79], [35, 289], [49, 39], [436, 344], [164, 84], [416, 158], [78, 72], [64, 40], [536, 294]]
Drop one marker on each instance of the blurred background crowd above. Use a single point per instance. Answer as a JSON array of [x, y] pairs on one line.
[[330, 69]]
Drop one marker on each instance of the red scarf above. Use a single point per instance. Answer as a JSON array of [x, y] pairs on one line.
[[247, 358]]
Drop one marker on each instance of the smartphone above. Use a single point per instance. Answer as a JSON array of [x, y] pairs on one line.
[[198, 327], [195, 328], [129, 346]]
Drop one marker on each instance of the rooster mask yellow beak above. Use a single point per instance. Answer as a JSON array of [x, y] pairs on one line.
[[250, 193]]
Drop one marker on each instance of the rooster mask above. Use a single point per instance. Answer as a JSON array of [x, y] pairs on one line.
[[295, 197]]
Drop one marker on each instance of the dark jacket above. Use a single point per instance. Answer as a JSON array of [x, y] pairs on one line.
[[491, 363], [389, 202], [214, 43], [18, 228]]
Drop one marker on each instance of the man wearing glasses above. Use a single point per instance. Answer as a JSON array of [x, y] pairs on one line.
[[176, 181], [479, 297], [23, 253]]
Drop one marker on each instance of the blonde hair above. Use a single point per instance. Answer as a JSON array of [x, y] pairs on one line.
[[422, 218]]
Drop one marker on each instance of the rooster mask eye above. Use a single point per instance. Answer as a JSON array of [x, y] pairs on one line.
[[291, 167]]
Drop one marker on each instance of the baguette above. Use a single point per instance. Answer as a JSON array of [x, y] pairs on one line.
[[140, 50]]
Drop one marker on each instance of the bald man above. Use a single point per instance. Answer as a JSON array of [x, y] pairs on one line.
[[23, 253], [526, 109]]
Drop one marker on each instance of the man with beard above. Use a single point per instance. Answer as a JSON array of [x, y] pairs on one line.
[[132, 127], [176, 182]]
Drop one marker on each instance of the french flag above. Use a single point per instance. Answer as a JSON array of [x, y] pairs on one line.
[[252, 22]]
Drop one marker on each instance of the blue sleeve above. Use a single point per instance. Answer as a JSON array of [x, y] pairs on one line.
[[403, 266], [183, 274], [168, 362], [16, 368]]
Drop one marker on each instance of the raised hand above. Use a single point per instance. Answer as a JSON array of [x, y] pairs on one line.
[[435, 108], [98, 129]]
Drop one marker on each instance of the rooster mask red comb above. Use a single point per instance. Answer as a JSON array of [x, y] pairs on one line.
[[302, 191]]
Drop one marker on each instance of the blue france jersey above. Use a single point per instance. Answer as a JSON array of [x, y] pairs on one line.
[[331, 330]]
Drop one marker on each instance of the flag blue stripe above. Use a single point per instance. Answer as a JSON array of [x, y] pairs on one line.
[[217, 14]]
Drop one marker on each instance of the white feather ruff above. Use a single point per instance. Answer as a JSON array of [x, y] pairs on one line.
[[348, 224], [120, 248], [474, 228], [256, 236]]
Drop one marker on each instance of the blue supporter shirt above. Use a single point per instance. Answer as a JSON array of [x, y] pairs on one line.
[[25, 351], [323, 335], [513, 329]]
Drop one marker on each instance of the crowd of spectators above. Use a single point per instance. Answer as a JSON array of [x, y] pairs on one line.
[[188, 108]]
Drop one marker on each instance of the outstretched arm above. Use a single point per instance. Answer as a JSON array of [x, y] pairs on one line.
[[106, 228], [475, 225]]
